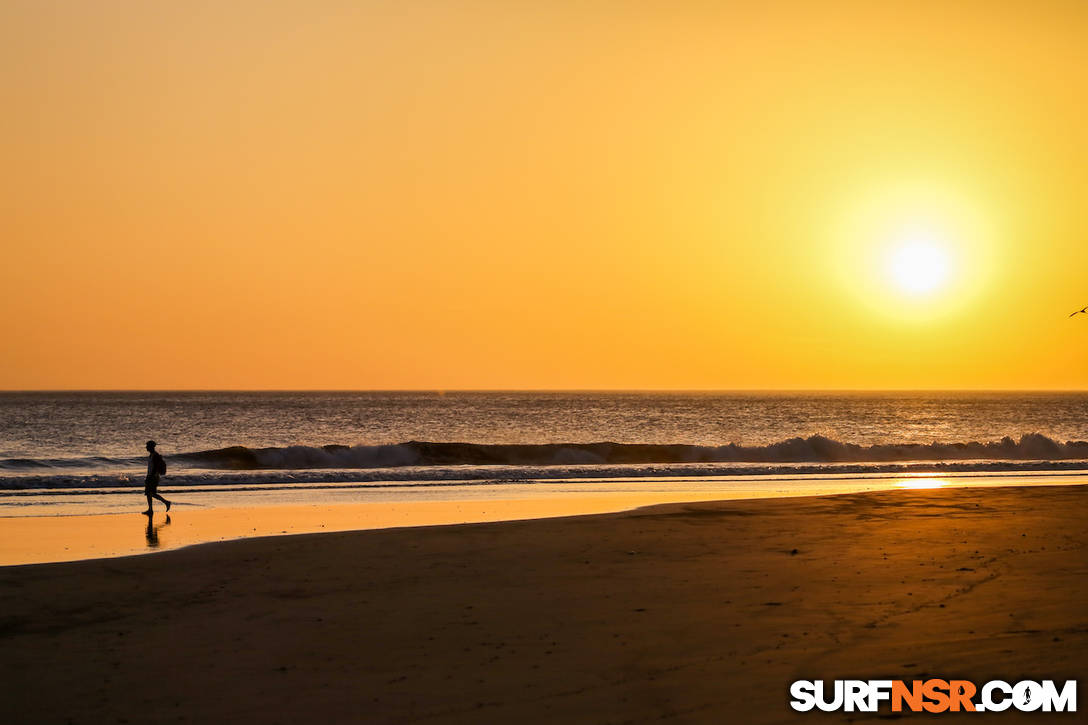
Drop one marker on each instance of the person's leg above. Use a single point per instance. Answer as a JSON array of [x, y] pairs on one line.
[[161, 499], [149, 509]]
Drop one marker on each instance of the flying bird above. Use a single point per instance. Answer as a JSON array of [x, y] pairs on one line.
[[1083, 310]]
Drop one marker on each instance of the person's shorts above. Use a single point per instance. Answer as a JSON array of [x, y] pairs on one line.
[[151, 485]]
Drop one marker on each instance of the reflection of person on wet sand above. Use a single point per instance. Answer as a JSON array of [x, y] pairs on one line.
[[156, 466], [153, 531]]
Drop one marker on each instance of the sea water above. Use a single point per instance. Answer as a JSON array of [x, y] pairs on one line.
[[406, 445]]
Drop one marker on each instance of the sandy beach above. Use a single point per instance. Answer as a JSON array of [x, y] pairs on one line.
[[691, 612], [547, 362]]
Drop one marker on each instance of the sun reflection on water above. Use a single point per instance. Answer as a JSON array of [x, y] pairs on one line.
[[914, 483]]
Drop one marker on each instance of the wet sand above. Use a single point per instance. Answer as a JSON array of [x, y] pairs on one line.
[[42, 539], [693, 612], [36, 529]]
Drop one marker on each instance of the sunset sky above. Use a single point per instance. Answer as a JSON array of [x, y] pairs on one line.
[[508, 194]]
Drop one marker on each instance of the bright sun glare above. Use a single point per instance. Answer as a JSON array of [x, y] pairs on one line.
[[918, 264]]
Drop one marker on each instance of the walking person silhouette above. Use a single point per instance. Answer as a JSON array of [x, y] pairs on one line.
[[156, 466]]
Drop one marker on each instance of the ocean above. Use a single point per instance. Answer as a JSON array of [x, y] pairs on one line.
[[95, 440]]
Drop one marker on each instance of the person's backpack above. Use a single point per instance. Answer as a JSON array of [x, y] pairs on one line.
[[160, 464]]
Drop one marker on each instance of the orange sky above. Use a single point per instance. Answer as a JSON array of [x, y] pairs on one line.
[[693, 195]]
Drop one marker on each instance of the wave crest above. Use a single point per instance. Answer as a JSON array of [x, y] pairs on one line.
[[814, 449]]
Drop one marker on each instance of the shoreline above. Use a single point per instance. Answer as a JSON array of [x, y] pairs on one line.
[[696, 611], [37, 539]]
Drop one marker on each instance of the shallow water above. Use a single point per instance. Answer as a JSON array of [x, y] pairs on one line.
[[93, 525]]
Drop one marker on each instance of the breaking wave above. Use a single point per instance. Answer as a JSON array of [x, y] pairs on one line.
[[814, 449]]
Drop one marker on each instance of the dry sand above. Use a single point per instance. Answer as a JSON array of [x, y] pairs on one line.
[[698, 612]]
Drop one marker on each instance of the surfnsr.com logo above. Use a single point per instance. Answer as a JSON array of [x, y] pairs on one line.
[[933, 696]]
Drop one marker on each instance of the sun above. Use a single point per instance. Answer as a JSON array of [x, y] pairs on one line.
[[918, 263], [913, 253]]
